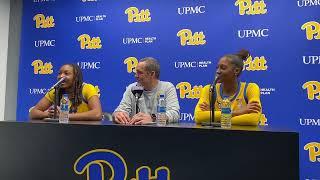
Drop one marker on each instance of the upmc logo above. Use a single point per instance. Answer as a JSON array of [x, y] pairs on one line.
[[246, 7], [191, 39], [186, 117], [312, 29], [192, 10], [313, 88], [86, 42], [43, 21], [89, 65], [80, 19], [311, 60], [134, 15], [37, 91], [45, 43], [253, 33], [304, 3], [314, 151], [191, 64], [42, 68]]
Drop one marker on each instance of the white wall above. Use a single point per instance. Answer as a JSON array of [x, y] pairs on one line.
[[4, 34]]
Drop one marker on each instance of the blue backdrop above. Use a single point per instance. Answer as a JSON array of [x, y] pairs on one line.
[[106, 38]]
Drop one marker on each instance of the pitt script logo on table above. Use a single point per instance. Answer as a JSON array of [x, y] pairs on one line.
[[314, 151], [313, 88], [191, 39], [134, 15], [44, 22], [92, 164], [86, 42], [131, 63], [246, 7], [186, 91], [42, 68], [312, 30], [255, 64]]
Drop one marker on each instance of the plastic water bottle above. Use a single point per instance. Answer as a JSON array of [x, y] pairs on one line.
[[64, 109], [161, 111], [226, 113]]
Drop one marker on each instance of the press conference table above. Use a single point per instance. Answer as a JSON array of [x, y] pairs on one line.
[[93, 150]]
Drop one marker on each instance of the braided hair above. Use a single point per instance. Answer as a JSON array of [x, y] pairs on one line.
[[76, 94]]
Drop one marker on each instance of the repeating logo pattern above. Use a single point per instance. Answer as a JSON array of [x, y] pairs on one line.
[[188, 38]]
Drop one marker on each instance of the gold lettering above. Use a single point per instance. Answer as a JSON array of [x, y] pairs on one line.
[[246, 7], [86, 42], [44, 22], [131, 63], [314, 151], [187, 92], [40, 68], [313, 88], [135, 16], [312, 30], [186, 38]]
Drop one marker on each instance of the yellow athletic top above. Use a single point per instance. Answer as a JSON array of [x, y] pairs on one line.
[[245, 93], [88, 90]]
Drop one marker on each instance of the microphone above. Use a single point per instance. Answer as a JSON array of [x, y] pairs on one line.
[[58, 83], [213, 98], [137, 91]]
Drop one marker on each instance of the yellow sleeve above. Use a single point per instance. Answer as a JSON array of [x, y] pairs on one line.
[[50, 96], [88, 91], [204, 116], [253, 94]]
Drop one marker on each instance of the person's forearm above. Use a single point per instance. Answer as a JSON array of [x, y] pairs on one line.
[[173, 116], [92, 115], [204, 116], [38, 114]]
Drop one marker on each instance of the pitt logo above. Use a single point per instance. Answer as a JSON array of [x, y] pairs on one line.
[[257, 64], [131, 63], [312, 30], [44, 22], [135, 16], [187, 92], [92, 164], [313, 88], [86, 42], [314, 151], [40, 68], [246, 7], [187, 38]]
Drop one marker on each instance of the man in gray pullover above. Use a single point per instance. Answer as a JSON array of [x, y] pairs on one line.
[[147, 76]]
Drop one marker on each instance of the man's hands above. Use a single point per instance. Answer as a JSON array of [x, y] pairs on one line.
[[121, 117], [138, 119]]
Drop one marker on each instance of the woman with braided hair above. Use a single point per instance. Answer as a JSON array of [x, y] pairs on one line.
[[244, 97], [84, 98]]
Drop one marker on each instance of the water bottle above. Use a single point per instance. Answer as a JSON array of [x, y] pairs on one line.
[[161, 117], [226, 113], [64, 109]]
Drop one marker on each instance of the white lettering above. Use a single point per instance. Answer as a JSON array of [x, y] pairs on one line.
[[247, 33]]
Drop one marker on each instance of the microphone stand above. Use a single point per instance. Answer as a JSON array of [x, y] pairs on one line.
[[137, 103], [56, 100], [212, 101]]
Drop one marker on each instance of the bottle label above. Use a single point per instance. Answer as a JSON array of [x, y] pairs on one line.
[[226, 110], [161, 109]]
